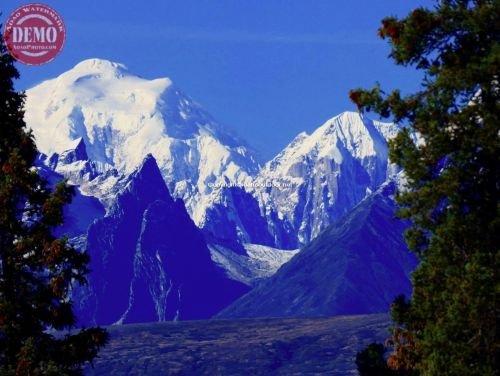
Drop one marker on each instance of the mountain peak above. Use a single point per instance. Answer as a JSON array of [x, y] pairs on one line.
[[100, 66], [149, 164], [144, 186], [350, 115], [122, 117], [346, 120], [148, 170]]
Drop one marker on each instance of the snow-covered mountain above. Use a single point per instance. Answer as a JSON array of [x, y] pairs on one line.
[[119, 118], [96, 122], [119, 138], [319, 178], [310, 184]]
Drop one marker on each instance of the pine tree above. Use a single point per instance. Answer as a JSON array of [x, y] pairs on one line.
[[37, 270], [451, 324]]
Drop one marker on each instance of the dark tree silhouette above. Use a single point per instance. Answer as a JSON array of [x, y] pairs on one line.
[[450, 325], [37, 270], [371, 361]]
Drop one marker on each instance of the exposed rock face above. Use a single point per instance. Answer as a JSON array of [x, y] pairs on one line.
[[149, 260], [356, 266]]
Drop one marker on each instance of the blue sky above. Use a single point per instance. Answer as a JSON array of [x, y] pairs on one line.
[[267, 69]]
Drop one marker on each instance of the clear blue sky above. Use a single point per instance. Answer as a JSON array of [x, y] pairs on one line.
[[268, 69]]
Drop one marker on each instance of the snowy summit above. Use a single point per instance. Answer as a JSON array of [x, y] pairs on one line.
[[121, 118]]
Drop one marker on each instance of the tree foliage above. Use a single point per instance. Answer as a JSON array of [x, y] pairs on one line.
[[450, 326], [37, 270]]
